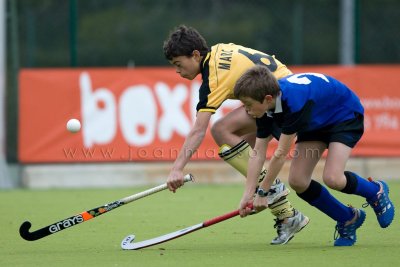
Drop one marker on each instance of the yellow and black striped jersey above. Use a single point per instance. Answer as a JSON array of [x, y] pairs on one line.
[[224, 65]]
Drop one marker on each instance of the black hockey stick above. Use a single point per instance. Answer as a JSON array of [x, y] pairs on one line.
[[87, 215]]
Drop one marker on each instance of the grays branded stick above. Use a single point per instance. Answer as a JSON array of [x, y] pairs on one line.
[[87, 215], [128, 244]]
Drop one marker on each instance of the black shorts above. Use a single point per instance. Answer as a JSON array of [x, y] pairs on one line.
[[348, 132]]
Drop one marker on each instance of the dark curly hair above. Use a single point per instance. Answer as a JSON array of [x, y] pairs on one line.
[[183, 41]]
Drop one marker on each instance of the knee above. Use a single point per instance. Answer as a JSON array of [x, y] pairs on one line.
[[297, 184], [333, 180], [217, 130]]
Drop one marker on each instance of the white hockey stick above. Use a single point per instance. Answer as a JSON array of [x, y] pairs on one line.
[[128, 244]]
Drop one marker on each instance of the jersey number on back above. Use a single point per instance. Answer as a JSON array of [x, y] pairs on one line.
[[257, 57], [297, 78]]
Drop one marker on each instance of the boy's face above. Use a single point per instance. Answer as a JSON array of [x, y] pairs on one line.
[[187, 67], [256, 109]]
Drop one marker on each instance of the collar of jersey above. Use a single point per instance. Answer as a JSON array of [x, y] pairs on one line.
[[204, 60], [278, 106]]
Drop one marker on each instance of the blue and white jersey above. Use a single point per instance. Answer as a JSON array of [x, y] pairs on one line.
[[308, 102]]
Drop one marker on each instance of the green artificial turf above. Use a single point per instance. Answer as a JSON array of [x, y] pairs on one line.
[[235, 242]]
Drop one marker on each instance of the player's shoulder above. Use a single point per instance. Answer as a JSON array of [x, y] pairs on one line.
[[306, 78], [221, 47], [231, 47]]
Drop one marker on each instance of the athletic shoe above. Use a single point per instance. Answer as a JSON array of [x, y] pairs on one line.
[[381, 204], [276, 192], [287, 230], [345, 235]]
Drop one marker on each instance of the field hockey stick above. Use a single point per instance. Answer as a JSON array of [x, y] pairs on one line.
[[87, 215], [128, 244]]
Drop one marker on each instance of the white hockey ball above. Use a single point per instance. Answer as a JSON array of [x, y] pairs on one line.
[[73, 125]]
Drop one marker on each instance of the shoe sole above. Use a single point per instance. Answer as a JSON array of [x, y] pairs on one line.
[[386, 190], [303, 224], [363, 216]]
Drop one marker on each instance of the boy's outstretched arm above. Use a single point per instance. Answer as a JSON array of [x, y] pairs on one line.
[[191, 144], [278, 159], [256, 162]]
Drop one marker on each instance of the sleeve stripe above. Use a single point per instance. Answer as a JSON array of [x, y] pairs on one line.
[[212, 110]]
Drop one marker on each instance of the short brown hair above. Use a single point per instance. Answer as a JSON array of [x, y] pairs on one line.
[[256, 83], [183, 41]]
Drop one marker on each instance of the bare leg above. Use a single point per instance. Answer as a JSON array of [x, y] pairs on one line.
[[348, 219], [333, 175], [304, 161], [234, 127], [250, 138]]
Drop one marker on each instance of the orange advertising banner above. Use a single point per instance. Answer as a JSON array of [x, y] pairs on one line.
[[145, 113]]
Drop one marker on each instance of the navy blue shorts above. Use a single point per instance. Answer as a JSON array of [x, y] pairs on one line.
[[348, 132]]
